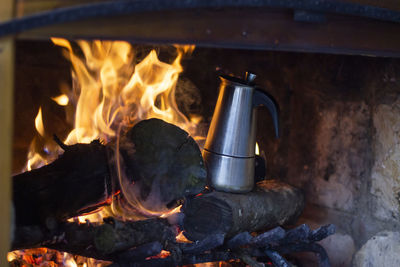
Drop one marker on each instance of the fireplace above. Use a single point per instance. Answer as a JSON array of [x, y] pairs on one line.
[[338, 119]]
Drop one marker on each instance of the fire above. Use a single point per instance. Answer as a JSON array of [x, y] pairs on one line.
[[35, 158], [69, 262], [62, 100], [39, 123], [11, 256], [112, 92], [257, 149]]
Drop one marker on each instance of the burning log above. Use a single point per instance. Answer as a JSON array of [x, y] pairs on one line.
[[108, 241], [272, 203], [137, 243], [162, 164], [78, 181], [154, 164]]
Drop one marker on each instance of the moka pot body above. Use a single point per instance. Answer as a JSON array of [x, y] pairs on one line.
[[229, 151], [230, 144]]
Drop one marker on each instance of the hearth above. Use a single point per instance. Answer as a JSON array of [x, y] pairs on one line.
[[338, 144]]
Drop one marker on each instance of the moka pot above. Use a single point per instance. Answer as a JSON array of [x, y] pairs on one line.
[[229, 151]]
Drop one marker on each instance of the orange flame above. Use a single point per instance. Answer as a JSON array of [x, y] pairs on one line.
[[36, 159], [62, 100], [39, 123], [112, 90], [111, 93], [257, 149]]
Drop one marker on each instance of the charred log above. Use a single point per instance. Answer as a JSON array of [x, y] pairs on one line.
[[158, 161], [272, 203], [254, 252], [105, 241], [163, 160], [78, 181], [138, 243]]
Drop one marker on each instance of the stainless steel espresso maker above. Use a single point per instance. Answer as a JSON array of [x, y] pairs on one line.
[[229, 149]]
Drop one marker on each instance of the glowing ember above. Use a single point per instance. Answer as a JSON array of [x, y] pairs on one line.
[[11, 256], [70, 262], [111, 93]]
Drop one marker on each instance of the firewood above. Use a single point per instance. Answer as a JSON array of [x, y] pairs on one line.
[[161, 163], [166, 164], [104, 241], [272, 203], [127, 243], [78, 181], [270, 244]]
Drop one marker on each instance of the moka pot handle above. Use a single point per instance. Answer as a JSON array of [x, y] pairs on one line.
[[262, 98]]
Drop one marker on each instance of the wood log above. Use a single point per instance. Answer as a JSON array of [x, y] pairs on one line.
[[270, 204], [131, 243], [161, 164], [78, 181], [100, 241]]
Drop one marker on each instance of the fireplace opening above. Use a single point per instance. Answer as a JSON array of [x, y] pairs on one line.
[[338, 142], [327, 188]]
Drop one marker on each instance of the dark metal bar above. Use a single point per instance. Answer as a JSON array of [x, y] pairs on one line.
[[116, 8]]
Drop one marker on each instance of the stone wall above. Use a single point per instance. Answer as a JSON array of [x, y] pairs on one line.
[[385, 177], [340, 142]]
